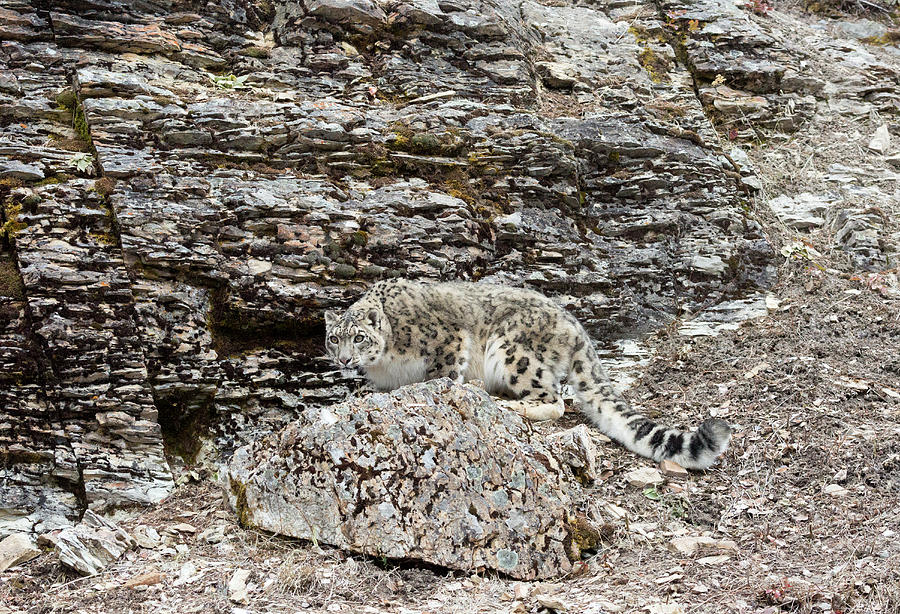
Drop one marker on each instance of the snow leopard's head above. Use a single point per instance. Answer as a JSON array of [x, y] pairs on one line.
[[355, 339]]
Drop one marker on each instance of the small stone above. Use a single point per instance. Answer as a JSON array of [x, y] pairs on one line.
[[19, 170], [881, 140], [713, 560], [258, 267], [213, 535], [91, 545], [861, 29], [186, 574], [753, 182], [521, 590], [835, 490], [145, 579], [147, 537], [606, 605], [732, 102], [672, 469], [614, 511], [557, 74], [552, 603], [575, 447], [643, 477], [183, 527], [16, 549], [802, 211], [691, 544], [237, 587], [347, 11]]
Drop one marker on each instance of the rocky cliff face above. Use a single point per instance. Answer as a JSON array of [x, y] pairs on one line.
[[187, 186]]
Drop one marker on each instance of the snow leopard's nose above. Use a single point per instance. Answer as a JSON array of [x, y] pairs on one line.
[[344, 361]]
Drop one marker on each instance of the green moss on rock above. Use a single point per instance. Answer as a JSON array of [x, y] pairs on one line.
[[10, 280], [12, 224], [239, 490], [657, 66], [344, 271]]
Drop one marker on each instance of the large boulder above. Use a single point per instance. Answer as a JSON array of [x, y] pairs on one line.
[[434, 471]]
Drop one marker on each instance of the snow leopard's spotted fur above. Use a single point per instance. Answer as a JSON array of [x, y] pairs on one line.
[[518, 342]]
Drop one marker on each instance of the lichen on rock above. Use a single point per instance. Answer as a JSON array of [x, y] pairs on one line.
[[435, 472]]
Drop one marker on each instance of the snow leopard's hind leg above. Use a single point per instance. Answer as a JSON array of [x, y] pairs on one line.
[[532, 385]]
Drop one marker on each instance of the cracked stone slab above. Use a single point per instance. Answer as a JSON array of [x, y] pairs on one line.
[[802, 211], [15, 549]]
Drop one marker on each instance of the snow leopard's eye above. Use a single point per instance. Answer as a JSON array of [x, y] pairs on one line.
[[333, 340], [358, 339]]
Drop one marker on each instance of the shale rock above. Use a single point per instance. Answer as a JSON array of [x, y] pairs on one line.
[[91, 545], [15, 549], [802, 211], [435, 472], [575, 448]]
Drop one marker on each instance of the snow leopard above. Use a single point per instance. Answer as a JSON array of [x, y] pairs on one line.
[[518, 342]]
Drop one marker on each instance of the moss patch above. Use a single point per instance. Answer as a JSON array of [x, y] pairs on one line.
[[105, 238], [53, 180], [357, 239], [254, 52], [656, 65], [69, 101], [585, 537], [239, 490], [11, 223], [104, 186], [891, 37], [10, 280], [447, 144]]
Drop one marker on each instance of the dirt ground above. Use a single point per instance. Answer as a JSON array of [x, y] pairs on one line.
[[809, 492]]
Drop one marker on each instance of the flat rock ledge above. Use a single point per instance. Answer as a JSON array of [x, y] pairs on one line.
[[434, 472]]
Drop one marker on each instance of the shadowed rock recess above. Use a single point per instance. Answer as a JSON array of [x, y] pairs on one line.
[[186, 186]]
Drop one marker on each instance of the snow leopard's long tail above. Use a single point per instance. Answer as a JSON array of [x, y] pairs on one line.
[[611, 414]]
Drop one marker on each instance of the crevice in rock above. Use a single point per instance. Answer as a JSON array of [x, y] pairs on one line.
[[186, 422], [674, 38], [235, 332]]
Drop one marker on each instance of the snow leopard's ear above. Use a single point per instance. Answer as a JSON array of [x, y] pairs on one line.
[[373, 317], [331, 318]]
